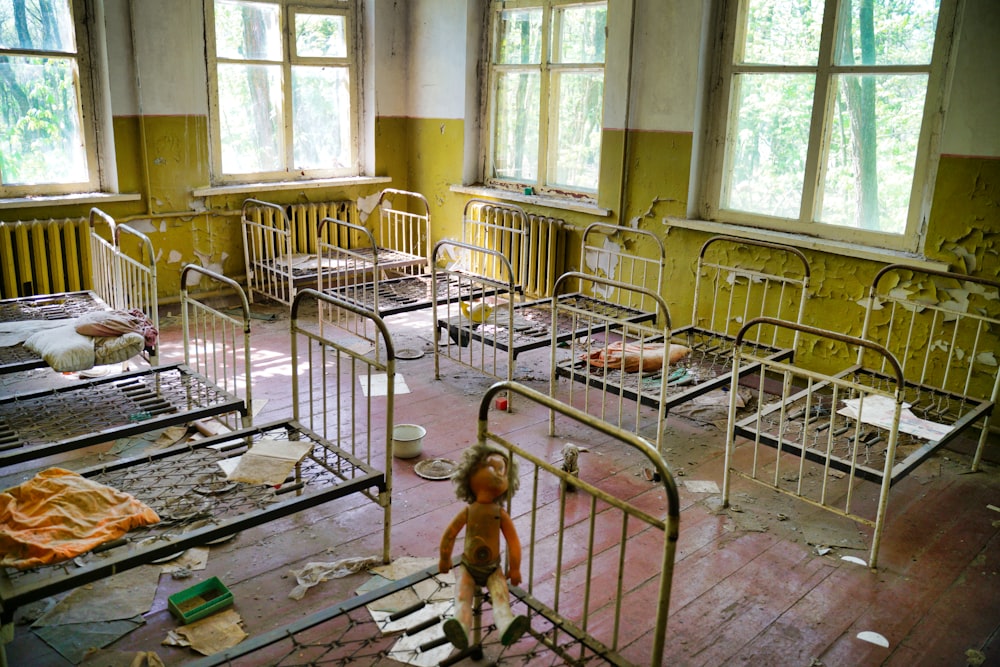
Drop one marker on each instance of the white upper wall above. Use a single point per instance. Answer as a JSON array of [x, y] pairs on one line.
[[167, 75], [971, 126]]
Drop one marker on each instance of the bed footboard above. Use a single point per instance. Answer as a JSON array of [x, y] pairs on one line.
[[597, 569]]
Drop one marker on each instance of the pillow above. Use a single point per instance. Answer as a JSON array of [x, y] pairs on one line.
[[63, 348], [114, 349]]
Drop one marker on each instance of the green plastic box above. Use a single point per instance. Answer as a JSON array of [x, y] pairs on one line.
[[200, 600]]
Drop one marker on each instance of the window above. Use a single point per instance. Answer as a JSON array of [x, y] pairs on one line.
[[824, 115], [546, 95], [46, 147], [283, 90]]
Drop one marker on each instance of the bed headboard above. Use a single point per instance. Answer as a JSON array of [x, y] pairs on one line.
[[598, 548]]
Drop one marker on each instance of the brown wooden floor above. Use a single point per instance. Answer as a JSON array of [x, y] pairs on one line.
[[760, 583]]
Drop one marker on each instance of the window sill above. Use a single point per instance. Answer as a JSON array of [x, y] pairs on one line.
[[278, 186], [67, 200], [535, 200], [809, 243]]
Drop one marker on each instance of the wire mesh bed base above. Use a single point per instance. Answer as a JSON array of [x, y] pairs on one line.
[[403, 294], [533, 327], [38, 424], [349, 633], [187, 487]]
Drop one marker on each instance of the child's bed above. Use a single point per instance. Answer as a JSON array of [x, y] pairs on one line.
[[212, 382], [336, 441], [735, 280], [504, 332], [329, 249], [597, 567], [122, 273], [922, 375]]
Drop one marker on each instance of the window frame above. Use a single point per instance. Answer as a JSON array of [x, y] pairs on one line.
[[548, 70], [722, 114], [287, 11], [91, 112]]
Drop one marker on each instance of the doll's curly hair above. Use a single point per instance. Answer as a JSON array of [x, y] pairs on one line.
[[472, 458]]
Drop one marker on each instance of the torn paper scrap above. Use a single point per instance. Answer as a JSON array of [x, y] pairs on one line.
[[209, 635], [314, 573], [269, 461], [878, 411]]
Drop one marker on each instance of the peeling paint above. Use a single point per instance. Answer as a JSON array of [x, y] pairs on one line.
[[175, 257]]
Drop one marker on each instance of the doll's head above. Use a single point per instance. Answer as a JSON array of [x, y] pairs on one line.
[[473, 459]]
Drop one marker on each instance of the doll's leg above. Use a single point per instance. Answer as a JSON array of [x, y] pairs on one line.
[[509, 626], [456, 629]]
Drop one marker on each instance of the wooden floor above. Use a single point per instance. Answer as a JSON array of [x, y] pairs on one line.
[[763, 582]]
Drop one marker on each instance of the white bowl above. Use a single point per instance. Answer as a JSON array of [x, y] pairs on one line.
[[407, 440]]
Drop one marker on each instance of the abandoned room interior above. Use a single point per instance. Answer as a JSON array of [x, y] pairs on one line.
[[514, 332]]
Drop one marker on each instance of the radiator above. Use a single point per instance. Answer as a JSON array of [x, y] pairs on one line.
[[305, 219], [534, 245], [44, 257]]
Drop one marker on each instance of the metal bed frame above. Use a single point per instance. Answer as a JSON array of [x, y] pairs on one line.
[[732, 284], [609, 392], [529, 325], [351, 454], [344, 254], [213, 381], [921, 376], [596, 554], [118, 282]]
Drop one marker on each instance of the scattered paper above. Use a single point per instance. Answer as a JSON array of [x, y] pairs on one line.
[[209, 635], [701, 486], [878, 411], [874, 638], [380, 385], [854, 559], [315, 573], [195, 558], [267, 461]]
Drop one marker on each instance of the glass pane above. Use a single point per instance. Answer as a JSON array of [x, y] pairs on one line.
[[579, 34], [782, 32], [40, 139], [46, 25], [247, 31], [873, 149], [520, 37], [767, 150], [887, 32], [577, 130], [321, 117], [251, 119], [320, 35], [515, 127]]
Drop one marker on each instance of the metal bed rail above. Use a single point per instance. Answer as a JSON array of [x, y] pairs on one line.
[[820, 436], [596, 357]]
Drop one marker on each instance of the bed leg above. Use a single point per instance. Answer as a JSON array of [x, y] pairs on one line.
[[6, 637]]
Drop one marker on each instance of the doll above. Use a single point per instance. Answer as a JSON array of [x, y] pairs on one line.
[[485, 478]]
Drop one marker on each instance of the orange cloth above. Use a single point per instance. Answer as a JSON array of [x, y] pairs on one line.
[[627, 357], [59, 514]]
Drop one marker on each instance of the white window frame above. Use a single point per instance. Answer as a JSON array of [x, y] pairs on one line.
[[547, 103], [722, 115], [93, 98], [347, 8]]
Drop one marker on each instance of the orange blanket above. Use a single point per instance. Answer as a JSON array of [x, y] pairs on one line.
[[629, 356], [59, 514]]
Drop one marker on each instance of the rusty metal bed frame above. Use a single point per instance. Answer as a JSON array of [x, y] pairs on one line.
[[922, 375], [343, 252], [118, 282], [732, 285], [351, 454], [501, 333], [597, 556], [213, 382]]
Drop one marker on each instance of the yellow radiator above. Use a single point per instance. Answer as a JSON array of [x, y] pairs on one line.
[[44, 257], [305, 219]]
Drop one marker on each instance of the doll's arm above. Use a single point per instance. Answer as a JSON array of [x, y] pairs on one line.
[[448, 541], [513, 548]]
